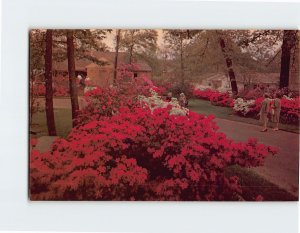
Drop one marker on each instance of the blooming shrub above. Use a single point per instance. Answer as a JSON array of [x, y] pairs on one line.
[[214, 96], [290, 110], [255, 108], [40, 89], [288, 92], [60, 87], [258, 92], [250, 104], [155, 101], [106, 102], [204, 94], [33, 142], [222, 99], [243, 107], [143, 154], [61, 91], [252, 94], [101, 102], [160, 90]]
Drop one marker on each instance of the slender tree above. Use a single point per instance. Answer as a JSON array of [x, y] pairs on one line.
[[48, 81], [288, 43], [72, 77], [229, 65], [36, 66], [132, 44], [181, 59], [116, 54], [176, 40]]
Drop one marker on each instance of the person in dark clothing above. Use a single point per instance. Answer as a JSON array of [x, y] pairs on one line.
[[169, 97]]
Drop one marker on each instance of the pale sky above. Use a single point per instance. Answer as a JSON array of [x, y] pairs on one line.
[[109, 41]]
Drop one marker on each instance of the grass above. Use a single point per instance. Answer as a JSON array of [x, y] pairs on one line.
[[63, 122], [205, 107], [254, 185]]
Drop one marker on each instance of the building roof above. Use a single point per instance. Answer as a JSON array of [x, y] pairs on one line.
[[107, 57]]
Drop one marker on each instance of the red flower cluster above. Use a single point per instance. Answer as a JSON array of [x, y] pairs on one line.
[[39, 89], [215, 97], [222, 99], [290, 110], [103, 102], [107, 101], [143, 155], [204, 94], [254, 110], [33, 142], [60, 87]]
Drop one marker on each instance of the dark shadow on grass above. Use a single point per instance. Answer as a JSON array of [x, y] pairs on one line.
[[254, 185]]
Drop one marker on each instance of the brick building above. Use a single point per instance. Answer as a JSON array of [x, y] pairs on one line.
[[100, 75]]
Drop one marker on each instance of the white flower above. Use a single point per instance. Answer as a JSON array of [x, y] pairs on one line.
[[287, 97], [155, 101], [242, 106]]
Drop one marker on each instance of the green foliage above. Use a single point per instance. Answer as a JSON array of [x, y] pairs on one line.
[[36, 52], [138, 42]]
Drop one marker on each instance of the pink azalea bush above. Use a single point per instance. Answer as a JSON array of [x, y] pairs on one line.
[[139, 154], [106, 102], [215, 97], [290, 109], [125, 148], [60, 87], [250, 105]]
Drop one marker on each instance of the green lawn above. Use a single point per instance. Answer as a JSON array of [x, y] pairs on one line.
[[254, 185], [205, 107], [63, 122]]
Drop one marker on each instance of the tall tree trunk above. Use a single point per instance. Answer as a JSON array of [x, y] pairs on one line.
[[130, 54], [116, 55], [32, 99], [48, 83], [181, 62], [228, 61], [289, 39], [132, 32], [72, 78]]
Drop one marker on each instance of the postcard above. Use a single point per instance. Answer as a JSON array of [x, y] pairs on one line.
[[163, 115]]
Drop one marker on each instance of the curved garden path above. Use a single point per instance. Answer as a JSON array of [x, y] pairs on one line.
[[281, 169]]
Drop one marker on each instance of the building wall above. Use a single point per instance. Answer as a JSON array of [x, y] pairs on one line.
[[102, 77], [144, 73]]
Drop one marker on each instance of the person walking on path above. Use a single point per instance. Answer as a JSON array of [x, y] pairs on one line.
[[264, 112], [276, 106]]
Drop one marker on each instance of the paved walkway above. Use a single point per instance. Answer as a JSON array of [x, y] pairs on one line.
[[282, 169], [62, 102]]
